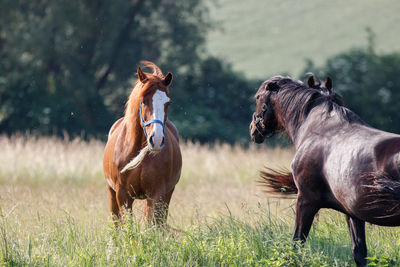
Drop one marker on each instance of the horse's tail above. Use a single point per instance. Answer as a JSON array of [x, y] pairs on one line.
[[278, 182], [382, 190]]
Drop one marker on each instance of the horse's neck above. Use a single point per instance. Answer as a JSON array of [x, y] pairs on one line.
[[134, 138], [290, 126], [320, 121], [298, 126]]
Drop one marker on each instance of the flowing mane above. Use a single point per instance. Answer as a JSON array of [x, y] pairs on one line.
[[296, 100]]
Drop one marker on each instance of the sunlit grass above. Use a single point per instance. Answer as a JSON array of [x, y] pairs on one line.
[[54, 211], [44, 161]]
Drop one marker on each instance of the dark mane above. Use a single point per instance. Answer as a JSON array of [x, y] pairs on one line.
[[296, 101]]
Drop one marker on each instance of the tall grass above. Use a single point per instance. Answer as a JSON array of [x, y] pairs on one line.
[[44, 161], [54, 211]]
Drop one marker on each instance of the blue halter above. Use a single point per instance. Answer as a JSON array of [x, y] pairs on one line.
[[147, 123]]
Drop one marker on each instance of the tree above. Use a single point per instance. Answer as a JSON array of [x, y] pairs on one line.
[[213, 102], [68, 65], [369, 84]]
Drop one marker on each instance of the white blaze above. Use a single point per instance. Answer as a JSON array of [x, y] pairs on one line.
[[159, 100]]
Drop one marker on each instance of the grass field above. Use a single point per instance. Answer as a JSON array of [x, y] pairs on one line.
[[264, 38], [54, 212]]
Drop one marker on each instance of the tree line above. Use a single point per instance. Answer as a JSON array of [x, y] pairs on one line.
[[69, 67]]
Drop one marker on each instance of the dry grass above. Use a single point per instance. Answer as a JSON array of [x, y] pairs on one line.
[[43, 176], [215, 179], [54, 212]]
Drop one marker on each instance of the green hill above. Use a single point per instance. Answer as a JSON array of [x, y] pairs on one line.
[[263, 38]]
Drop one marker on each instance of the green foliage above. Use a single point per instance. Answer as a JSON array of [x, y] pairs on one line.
[[369, 83], [213, 102], [69, 65]]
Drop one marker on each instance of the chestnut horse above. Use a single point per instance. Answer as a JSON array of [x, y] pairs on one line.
[[142, 158], [340, 162]]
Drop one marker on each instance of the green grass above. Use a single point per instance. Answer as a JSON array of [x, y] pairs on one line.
[[54, 212], [264, 38], [223, 241]]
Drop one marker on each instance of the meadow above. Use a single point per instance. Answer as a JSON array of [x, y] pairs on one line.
[[54, 212], [265, 38]]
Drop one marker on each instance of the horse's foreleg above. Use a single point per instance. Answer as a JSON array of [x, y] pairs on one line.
[[156, 210], [149, 211], [113, 203], [124, 200], [161, 209], [305, 212], [358, 244]]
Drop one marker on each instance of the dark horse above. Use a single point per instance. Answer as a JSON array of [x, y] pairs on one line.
[[340, 162]]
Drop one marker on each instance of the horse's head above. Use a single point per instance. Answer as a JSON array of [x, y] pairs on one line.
[[276, 98], [264, 123], [153, 110], [325, 88]]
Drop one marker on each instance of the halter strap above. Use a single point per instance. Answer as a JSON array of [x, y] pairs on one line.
[[147, 123], [259, 120]]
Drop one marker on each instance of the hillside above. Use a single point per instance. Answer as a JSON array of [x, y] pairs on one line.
[[263, 38]]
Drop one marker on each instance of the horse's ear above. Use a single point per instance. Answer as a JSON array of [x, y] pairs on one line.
[[328, 84], [272, 86], [141, 75], [310, 82], [167, 79]]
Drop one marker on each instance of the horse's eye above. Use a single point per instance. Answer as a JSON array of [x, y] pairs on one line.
[[264, 107]]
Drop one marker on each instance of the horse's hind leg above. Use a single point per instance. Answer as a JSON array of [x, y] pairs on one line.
[[305, 212], [357, 234]]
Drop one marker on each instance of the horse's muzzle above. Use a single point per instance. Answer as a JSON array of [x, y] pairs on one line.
[[255, 134], [156, 144]]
